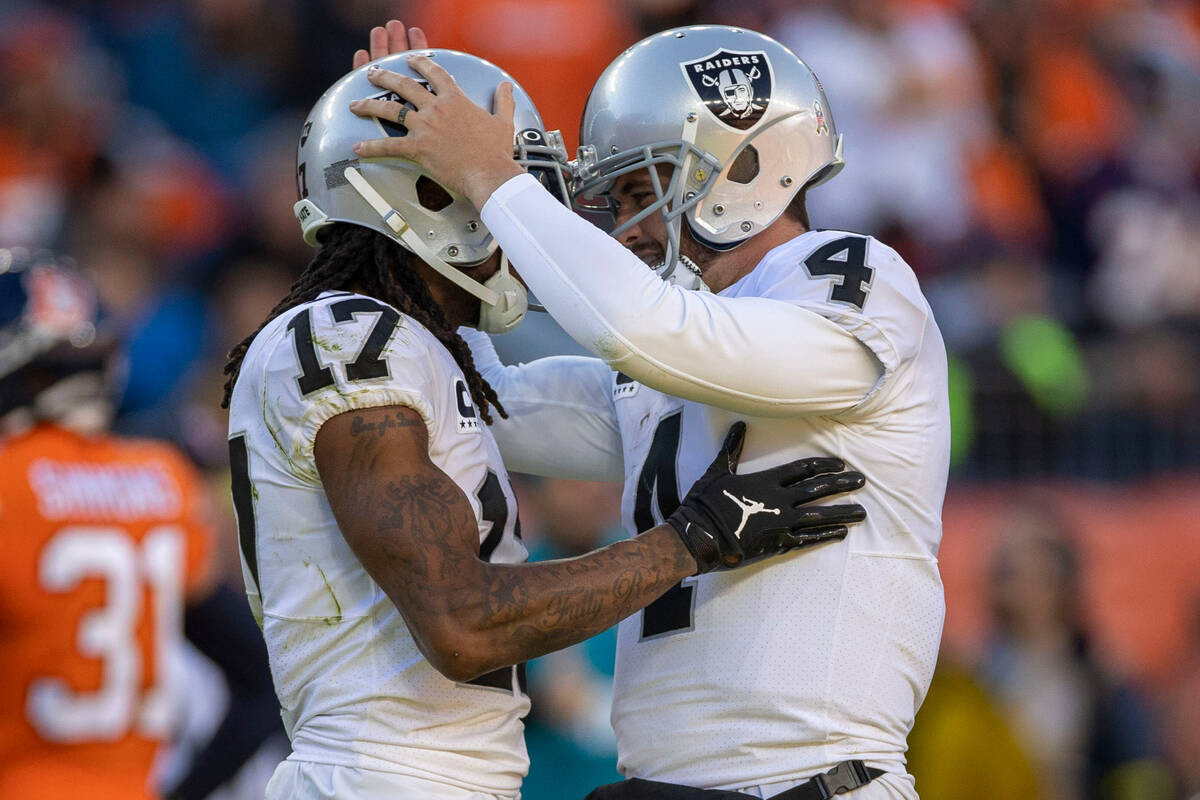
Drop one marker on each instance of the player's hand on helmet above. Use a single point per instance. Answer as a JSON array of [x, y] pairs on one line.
[[728, 520], [465, 148], [390, 38]]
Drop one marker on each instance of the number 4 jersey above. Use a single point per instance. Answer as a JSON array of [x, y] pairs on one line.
[[826, 348], [102, 539], [785, 668], [354, 688]]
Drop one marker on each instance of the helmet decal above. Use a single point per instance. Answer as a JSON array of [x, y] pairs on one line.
[[391, 128], [734, 86], [819, 116]]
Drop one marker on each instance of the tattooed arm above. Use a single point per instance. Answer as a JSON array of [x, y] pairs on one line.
[[413, 530]]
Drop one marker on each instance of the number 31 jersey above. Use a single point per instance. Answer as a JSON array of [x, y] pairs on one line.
[[102, 539], [782, 669], [353, 686]]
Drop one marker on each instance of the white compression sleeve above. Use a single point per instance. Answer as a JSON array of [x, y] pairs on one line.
[[560, 422], [751, 355]]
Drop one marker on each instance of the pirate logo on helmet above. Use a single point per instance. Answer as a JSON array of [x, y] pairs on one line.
[[394, 128], [734, 86]]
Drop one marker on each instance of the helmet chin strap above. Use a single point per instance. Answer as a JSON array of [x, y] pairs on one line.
[[507, 313], [686, 275], [502, 298]]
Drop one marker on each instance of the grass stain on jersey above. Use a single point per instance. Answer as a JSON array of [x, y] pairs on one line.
[[274, 433], [325, 344], [610, 348], [304, 450], [336, 618]]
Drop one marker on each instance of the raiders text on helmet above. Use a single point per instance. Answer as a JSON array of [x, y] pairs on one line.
[[736, 87], [743, 122], [395, 197]]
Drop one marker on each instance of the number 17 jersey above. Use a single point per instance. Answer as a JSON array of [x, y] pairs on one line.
[[354, 689]]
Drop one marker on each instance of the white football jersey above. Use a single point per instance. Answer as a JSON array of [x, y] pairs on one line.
[[782, 669], [354, 689], [787, 667]]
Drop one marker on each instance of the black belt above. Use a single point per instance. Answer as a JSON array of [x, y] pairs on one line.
[[845, 777]]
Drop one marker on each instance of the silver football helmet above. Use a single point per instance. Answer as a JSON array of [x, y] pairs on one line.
[[742, 121], [395, 197]]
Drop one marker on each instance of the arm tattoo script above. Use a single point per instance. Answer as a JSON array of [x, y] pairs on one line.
[[589, 594], [398, 419]]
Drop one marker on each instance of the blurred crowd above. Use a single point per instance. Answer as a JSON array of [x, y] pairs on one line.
[[1036, 161]]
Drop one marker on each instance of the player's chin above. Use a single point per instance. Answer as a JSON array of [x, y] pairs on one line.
[[652, 258]]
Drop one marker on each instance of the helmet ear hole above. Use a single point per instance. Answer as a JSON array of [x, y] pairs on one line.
[[745, 167], [825, 173], [431, 195]]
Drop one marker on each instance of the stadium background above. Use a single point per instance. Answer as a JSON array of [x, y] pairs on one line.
[[1036, 161]]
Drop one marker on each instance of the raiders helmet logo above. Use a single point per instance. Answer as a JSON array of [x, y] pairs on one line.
[[390, 127], [736, 87]]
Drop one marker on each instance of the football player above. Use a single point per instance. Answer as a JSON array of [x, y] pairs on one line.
[[379, 534], [105, 567], [717, 301]]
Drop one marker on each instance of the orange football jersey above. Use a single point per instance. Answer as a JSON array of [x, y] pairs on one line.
[[102, 538]]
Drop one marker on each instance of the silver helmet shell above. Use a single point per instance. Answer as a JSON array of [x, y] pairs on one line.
[[742, 120], [397, 198]]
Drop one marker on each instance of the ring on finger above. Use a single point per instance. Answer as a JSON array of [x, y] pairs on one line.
[[401, 115]]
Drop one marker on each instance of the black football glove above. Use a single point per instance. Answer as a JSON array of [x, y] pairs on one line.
[[728, 520]]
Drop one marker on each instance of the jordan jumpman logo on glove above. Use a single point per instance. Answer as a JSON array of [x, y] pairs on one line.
[[721, 536], [750, 507]]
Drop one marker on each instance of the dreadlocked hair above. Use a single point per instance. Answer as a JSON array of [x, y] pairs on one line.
[[371, 263]]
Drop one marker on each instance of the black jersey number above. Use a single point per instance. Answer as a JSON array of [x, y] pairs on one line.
[[243, 503], [494, 509], [673, 610], [366, 365], [852, 269]]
